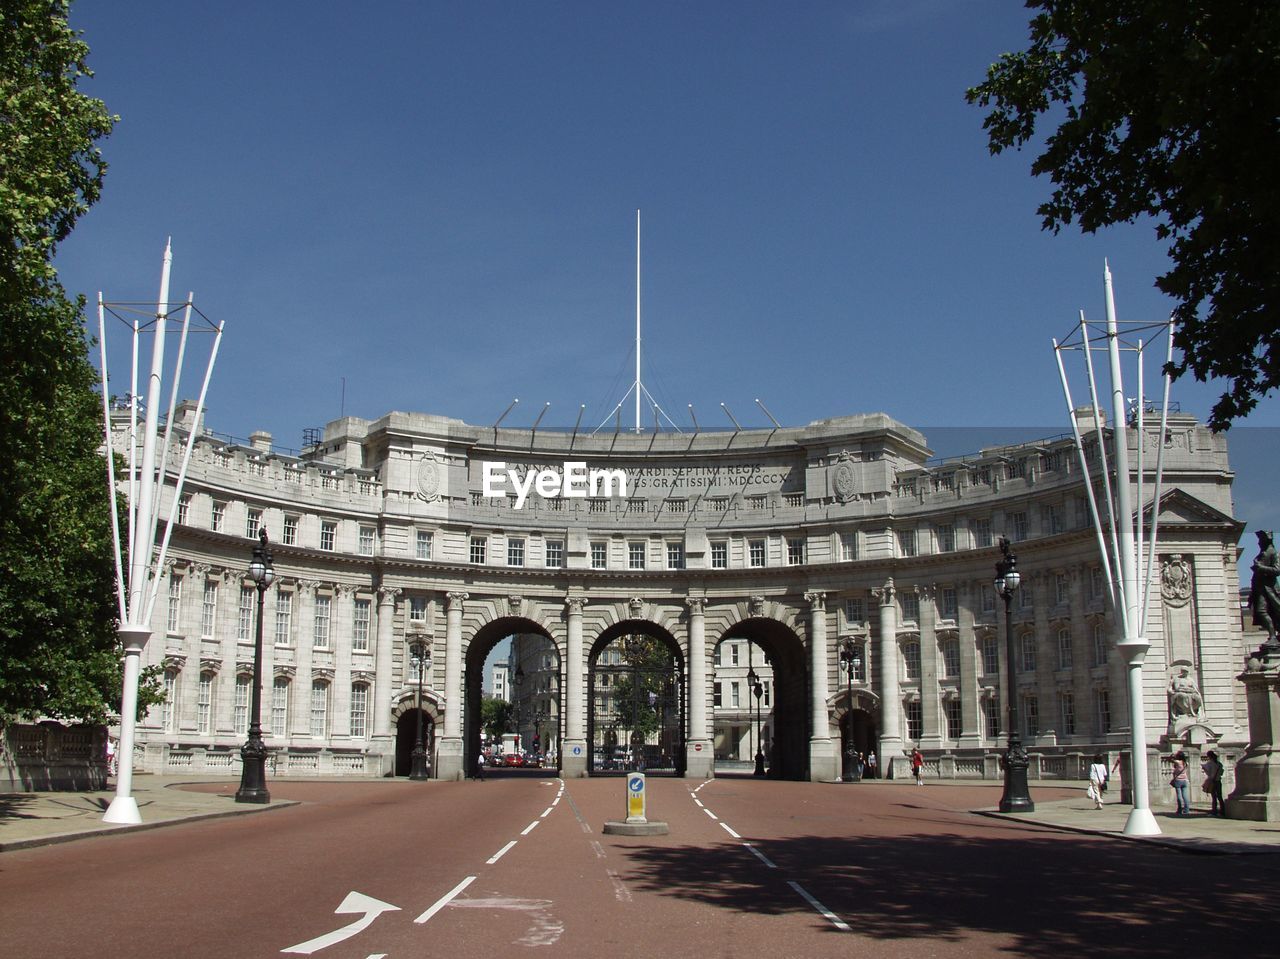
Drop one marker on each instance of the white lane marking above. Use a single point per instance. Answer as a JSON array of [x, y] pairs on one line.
[[547, 812], [698, 802], [529, 828], [445, 899], [620, 892], [500, 853], [761, 856], [822, 910], [599, 849], [378, 955], [704, 784], [355, 902], [709, 813], [725, 825]]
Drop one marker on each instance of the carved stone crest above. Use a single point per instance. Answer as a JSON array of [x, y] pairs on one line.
[[1175, 581], [429, 478], [844, 481]]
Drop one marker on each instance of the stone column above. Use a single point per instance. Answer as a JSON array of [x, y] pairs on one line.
[[892, 760], [450, 762], [1257, 793], [699, 749], [822, 754], [573, 751], [381, 700]]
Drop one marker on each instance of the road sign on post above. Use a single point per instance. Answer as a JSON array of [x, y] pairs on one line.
[[635, 798]]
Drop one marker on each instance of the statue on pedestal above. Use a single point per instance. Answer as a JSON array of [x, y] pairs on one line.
[[1264, 597], [1186, 705]]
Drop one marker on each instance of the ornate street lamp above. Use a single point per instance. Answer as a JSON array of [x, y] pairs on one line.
[[1016, 798], [253, 754], [850, 662], [419, 662], [757, 690], [519, 681]]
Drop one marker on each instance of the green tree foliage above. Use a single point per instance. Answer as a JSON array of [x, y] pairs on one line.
[[643, 685], [1170, 111], [59, 655], [495, 717]]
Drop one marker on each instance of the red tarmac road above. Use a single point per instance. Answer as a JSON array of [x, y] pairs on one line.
[[519, 866]]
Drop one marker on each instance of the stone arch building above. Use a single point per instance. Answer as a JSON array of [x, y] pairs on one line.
[[797, 539]]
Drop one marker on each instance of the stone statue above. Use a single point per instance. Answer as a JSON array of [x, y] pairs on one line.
[[1185, 701], [1264, 598]]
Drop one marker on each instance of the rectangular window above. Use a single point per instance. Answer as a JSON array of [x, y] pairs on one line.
[[1064, 649], [359, 710], [240, 716], [555, 551], [1028, 646], [1025, 597], [717, 655], [1061, 589], [719, 554], [328, 534], [174, 623], [756, 551], [183, 506], [290, 534], [367, 541], [208, 610], [848, 547], [279, 706], [1018, 523], [734, 653], [423, 541], [910, 606], [216, 513], [991, 716], [990, 656], [319, 709], [1095, 582], [1056, 522], [252, 521], [675, 556], [169, 709], [906, 542], [320, 635], [914, 711], [719, 696], [951, 658], [1102, 706], [1099, 644], [946, 535], [949, 606], [417, 609], [204, 704], [515, 552], [284, 618], [982, 532], [479, 548], [951, 710], [1067, 714], [911, 660], [853, 611], [735, 694], [795, 551], [988, 598], [244, 617], [1030, 717], [635, 556], [360, 616], [599, 555]]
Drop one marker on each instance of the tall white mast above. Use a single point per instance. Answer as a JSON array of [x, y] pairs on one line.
[[637, 321]]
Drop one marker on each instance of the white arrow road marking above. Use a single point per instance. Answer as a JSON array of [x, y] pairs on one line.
[[355, 902]]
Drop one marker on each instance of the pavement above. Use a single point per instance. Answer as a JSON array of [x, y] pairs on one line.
[[44, 818]]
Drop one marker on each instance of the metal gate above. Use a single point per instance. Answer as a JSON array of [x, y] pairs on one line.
[[637, 715]]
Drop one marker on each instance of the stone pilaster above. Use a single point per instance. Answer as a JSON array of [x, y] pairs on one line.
[[699, 750], [449, 762], [892, 760], [822, 752], [380, 701], [1257, 793], [573, 751]]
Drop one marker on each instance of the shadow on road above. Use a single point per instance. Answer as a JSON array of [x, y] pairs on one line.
[[1047, 896]]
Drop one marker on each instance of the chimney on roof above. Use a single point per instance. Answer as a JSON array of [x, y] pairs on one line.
[[260, 440]]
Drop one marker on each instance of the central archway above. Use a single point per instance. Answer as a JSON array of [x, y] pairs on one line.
[[788, 750], [637, 710]]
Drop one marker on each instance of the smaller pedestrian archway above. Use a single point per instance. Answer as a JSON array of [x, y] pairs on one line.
[[406, 717], [855, 715]]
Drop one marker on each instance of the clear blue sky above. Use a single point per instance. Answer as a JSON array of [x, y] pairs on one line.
[[436, 201]]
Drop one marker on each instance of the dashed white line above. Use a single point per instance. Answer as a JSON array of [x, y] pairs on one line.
[[620, 892], [726, 828], [529, 828], [599, 849], [500, 853], [822, 910], [445, 899], [761, 856], [546, 812], [698, 802], [709, 813]]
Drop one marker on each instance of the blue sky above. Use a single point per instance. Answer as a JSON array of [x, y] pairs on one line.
[[436, 202]]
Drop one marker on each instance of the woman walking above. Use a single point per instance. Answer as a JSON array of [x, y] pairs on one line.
[[1097, 781]]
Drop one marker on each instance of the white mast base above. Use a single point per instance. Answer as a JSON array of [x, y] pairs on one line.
[[1141, 823], [123, 811]]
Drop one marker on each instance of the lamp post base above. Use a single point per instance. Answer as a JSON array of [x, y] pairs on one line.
[[253, 773], [759, 763], [418, 766], [1017, 797]]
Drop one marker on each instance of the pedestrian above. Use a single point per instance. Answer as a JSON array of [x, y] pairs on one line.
[[1181, 784], [871, 764], [1097, 781], [111, 756], [917, 765], [1213, 770]]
